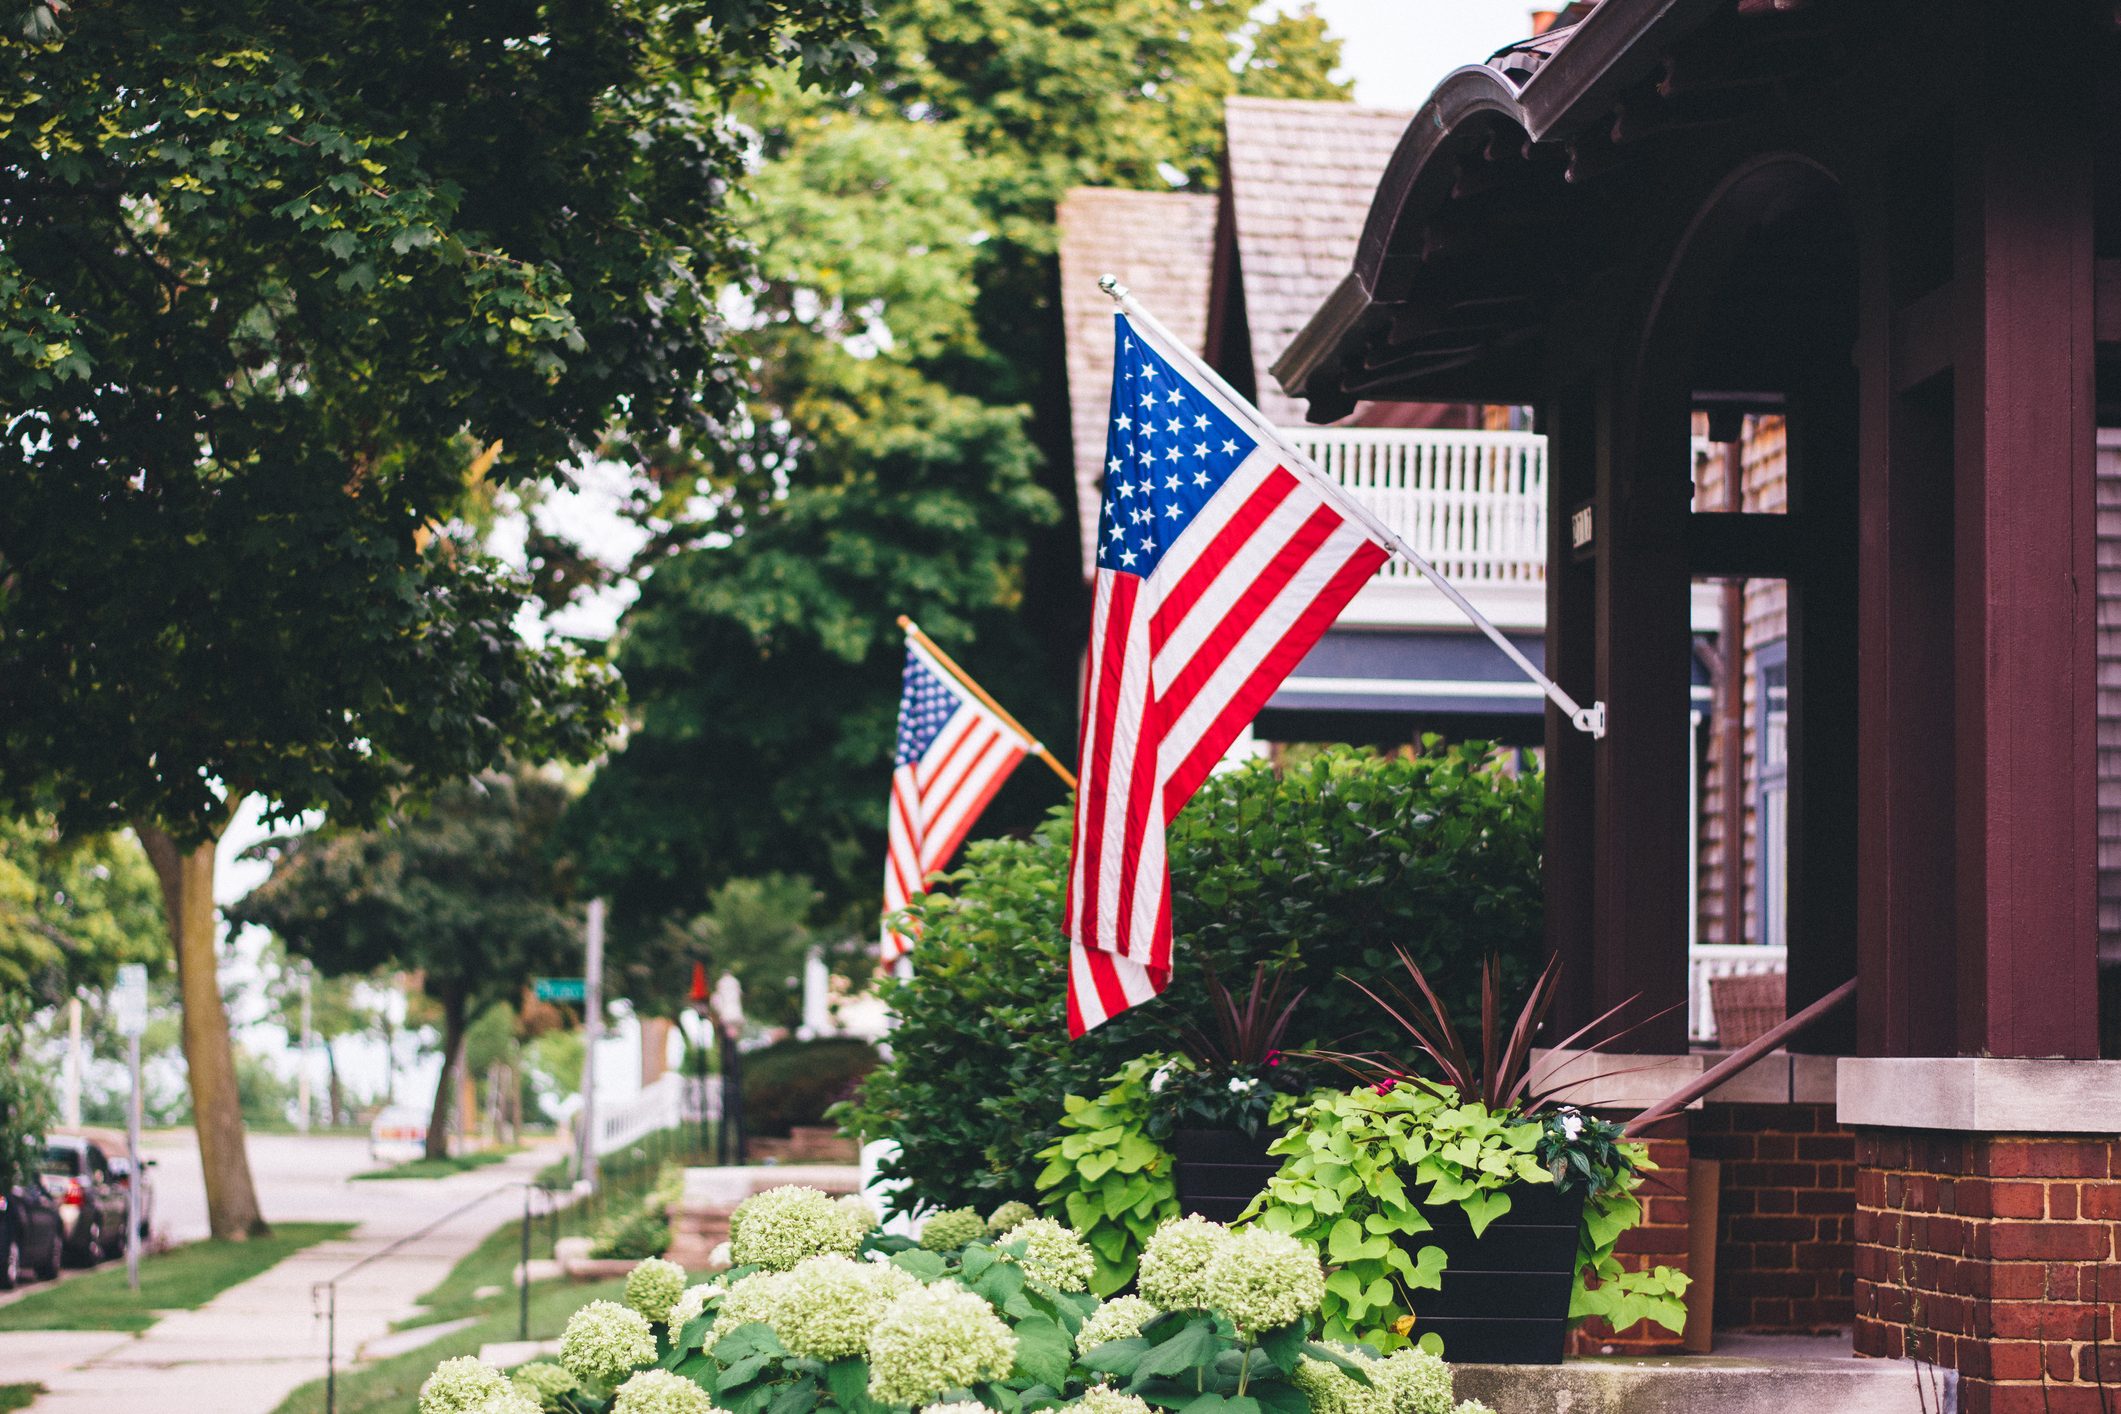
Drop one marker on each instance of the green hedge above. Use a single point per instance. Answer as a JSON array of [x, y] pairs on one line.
[[1324, 865], [795, 1082]]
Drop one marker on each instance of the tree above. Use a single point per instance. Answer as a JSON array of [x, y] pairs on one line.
[[25, 1096], [275, 283], [336, 1010], [905, 449], [461, 893], [72, 911]]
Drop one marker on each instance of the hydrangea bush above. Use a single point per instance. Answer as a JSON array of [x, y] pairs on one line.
[[1001, 1323]]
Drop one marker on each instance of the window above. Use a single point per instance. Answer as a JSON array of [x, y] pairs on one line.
[[1772, 733]]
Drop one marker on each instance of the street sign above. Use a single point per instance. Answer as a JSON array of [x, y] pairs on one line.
[[560, 989], [128, 999]]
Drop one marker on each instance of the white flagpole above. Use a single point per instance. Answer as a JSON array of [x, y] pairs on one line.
[[1589, 719]]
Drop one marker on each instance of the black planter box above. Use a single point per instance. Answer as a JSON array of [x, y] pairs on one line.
[[1505, 1294], [1219, 1172]]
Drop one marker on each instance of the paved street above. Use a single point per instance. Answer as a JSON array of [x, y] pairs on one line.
[[245, 1350]]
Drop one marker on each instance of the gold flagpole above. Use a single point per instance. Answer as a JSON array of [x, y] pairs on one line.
[[1038, 748]]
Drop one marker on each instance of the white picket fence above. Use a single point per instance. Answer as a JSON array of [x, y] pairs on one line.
[[1475, 503]]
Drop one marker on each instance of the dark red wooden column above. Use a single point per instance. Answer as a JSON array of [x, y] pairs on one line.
[[2023, 432], [1570, 424], [1643, 648]]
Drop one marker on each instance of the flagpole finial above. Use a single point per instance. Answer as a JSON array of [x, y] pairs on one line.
[[1110, 285]]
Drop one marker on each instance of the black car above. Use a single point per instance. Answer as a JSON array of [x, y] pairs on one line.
[[91, 1201], [31, 1235]]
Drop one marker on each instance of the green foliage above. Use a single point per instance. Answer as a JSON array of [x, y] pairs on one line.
[[25, 1095], [758, 930], [1359, 1167], [633, 1236], [795, 1082], [1107, 1177], [1321, 868], [73, 910]]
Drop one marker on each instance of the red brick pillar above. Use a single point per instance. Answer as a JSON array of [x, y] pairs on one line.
[[1998, 1256]]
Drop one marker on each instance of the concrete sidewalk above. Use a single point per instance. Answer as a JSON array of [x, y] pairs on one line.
[[244, 1351]]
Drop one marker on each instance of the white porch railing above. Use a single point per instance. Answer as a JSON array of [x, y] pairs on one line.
[[1706, 960], [659, 1105], [1475, 503]]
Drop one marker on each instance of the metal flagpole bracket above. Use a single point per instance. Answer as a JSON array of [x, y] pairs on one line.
[[1589, 720]]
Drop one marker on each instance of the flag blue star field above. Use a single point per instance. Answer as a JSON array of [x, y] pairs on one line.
[[953, 755], [1219, 565]]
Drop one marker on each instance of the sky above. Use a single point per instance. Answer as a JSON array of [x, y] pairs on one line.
[[1395, 51]]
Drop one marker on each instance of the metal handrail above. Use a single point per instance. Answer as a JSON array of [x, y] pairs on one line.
[[327, 1291]]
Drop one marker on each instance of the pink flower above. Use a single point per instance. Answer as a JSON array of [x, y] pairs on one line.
[[1273, 1058], [1385, 1087]]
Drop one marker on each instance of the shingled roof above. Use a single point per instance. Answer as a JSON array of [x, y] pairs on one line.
[[1302, 175], [1161, 245]]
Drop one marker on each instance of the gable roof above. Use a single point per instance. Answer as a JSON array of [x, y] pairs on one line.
[[1301, 177], [1161, 245]]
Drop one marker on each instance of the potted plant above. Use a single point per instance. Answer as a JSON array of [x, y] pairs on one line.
[[1463, 1208], [1216, 1114]]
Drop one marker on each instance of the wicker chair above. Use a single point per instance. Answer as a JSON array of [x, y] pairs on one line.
[[1747, 1006]]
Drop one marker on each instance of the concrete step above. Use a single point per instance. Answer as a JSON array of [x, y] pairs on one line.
[[1747, 1375]]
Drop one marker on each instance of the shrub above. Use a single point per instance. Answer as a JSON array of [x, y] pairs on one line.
[[795, 1082], [1323, 867], [634, 1236]]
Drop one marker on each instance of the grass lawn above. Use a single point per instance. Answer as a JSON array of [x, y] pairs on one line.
[[18, 1396], [177, 1280], [439, 1168]]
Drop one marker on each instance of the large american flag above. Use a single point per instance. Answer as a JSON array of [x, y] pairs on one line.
[[953, 755], [1219, 564]]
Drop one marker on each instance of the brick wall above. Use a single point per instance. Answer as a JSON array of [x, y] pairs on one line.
[[1996, 1256], [1660, 1240], [1785, 1229]]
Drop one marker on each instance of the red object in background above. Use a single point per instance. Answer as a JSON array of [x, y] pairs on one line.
[[699, 981]]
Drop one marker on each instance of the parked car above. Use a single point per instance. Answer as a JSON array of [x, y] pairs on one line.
[[31, 1235], [91, 1201], [398, 1133], [121, 1168]]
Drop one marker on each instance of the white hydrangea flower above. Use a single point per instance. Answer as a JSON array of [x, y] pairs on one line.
[[754, 1298], [1054, 1254], [544, 1382], [952, 1228], [1176, 1259], [1262, 1279], [780, 1227], [1414, 1382], [509, 1401], [827, 1306], [934, 1339], [1121, 1318], [1008, 1215], [1103, 1399], [693, 1304], [1473, 1406], [1332, 1390], [604, 1342], [859, 1215], [962, 1406], [661, 1392], [653, 1287], [461, 1385]]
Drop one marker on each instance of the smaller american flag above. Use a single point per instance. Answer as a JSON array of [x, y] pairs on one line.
[[953, 755]]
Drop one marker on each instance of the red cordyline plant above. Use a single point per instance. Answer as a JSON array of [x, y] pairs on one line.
[[1248, 1032], [1502, 1075]]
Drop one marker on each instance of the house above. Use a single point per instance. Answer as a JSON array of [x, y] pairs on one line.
[[1894, 228]]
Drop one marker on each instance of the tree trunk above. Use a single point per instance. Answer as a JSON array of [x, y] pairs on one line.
[[187, 882], [336, 1098], [453, 1028]]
